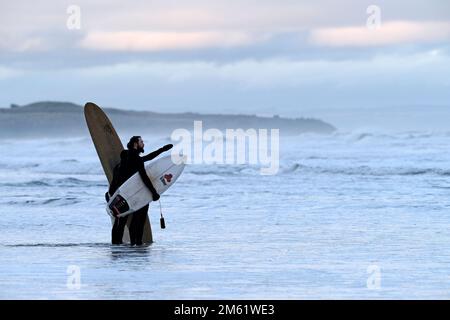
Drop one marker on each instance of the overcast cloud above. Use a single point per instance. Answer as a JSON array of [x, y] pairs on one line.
[[259, 57]]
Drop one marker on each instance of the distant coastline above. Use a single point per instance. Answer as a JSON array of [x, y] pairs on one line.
[[52, 118]]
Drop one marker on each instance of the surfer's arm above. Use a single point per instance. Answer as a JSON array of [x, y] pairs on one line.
[[147, 182], [154, 154]]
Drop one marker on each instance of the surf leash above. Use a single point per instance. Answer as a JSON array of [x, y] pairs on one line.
[[161, 220]]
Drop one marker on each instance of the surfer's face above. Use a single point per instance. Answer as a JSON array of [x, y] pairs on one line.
[[140, 145]]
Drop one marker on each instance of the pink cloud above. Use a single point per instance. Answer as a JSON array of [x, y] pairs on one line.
[[390, 33], [157, 41]]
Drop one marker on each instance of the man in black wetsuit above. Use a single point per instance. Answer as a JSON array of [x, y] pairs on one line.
[[130, 163]]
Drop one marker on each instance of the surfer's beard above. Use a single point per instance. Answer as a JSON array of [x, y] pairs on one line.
[[140, 150]]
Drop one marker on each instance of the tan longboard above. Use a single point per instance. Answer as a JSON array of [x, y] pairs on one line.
[[109, 147]]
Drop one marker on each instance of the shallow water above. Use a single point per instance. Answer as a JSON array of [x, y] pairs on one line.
[[340, 207]]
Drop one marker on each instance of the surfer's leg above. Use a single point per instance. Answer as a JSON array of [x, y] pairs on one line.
[[114, 232], [140, 228], [138, 222], [132, 228], [118, 229]]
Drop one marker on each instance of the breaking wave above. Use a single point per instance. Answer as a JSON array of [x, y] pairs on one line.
[[365, 170]]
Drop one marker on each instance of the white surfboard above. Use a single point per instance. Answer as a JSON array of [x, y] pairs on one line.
[[134, 194]]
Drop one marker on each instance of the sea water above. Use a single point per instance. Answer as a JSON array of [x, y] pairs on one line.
[[349, 215]]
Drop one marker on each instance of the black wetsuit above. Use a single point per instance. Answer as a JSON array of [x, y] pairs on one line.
[[130, 163]]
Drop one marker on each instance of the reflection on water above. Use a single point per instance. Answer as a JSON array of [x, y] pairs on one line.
[[129, 252]]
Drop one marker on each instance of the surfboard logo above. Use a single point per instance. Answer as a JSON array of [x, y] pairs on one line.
[[165, 179]]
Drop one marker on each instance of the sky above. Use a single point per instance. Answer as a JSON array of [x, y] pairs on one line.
[[354, 63]]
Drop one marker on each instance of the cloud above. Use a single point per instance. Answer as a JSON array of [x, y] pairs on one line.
[[251, 85], [247, 25], [159, 41], [390, 33], [30, 44], [13, 43], [253, 74], [6, 73]]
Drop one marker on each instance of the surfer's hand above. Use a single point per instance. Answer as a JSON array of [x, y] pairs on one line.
[[167, 147], [155, 196]]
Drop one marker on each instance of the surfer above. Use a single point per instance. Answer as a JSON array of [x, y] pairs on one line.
[[130, 163]]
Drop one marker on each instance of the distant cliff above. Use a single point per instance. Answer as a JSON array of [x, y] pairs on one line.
[[44, 119]]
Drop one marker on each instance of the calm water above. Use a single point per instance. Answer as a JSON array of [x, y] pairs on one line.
[[340, 207]]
